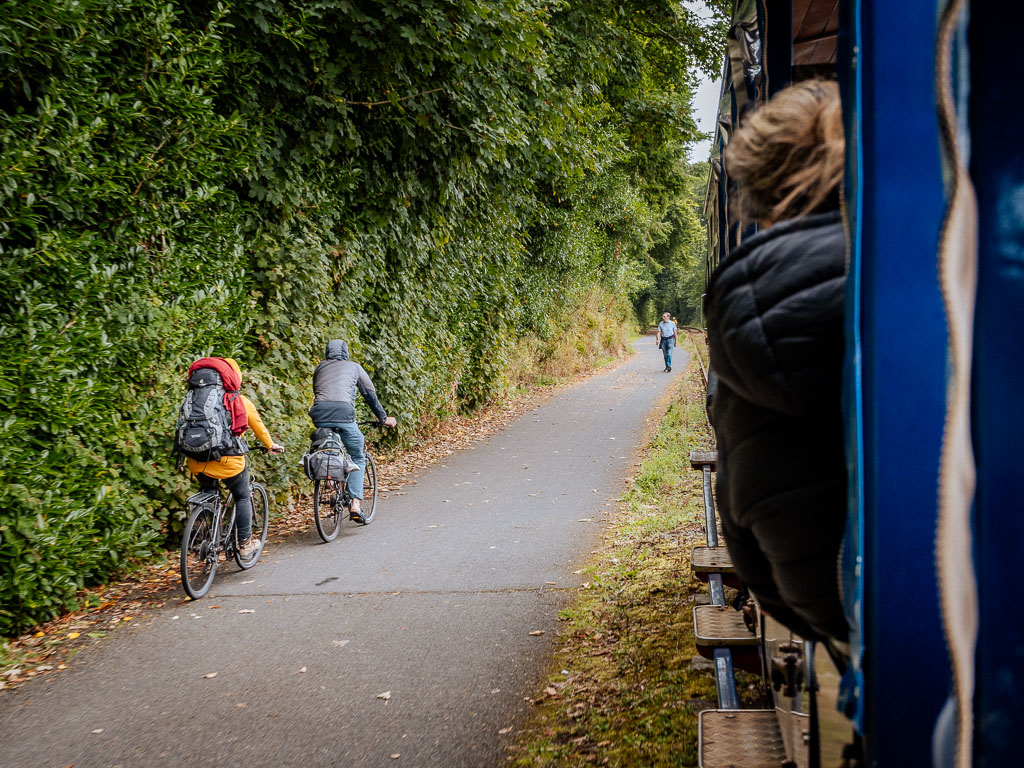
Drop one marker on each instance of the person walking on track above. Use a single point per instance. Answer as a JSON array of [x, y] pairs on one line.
[[666, 338]]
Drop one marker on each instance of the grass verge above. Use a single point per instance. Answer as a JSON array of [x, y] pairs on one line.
[[621, 690]]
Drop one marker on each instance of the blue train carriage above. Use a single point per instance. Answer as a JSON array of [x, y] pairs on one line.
[[934, 207]]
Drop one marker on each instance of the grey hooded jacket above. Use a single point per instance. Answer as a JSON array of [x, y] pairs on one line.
[[335, 382]]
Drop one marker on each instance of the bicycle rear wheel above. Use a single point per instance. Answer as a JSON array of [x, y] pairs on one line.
[[327, 508], [260, 526], [369, 505], [198, 554]]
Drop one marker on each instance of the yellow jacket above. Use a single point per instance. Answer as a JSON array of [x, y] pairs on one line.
[[229, 466]]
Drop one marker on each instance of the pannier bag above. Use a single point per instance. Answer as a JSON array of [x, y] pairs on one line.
[[203, 430], [326, 458]]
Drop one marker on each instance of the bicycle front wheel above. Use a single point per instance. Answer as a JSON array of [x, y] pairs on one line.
[[369, 505], [327, 508], [198, 553], [260, 525]]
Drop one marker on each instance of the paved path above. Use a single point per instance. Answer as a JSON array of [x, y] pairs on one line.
[[433, 602]]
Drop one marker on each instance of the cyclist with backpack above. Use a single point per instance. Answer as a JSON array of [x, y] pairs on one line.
[[335, 383], [211, 422]]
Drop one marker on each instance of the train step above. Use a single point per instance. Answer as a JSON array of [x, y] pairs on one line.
[[739, 738], [700, 459], [707, 560], [723, 627]]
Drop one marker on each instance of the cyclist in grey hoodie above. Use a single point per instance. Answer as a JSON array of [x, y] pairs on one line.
[[335, 383]]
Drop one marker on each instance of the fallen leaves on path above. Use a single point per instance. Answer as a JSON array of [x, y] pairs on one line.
[[104, 609]]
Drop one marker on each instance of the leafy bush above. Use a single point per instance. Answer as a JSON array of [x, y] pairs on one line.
[[432, 181]]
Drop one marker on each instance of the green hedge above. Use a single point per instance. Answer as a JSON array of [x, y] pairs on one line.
[[430, 180]]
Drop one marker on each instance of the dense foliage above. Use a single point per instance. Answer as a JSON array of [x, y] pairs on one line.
[[431, 180], [678, 261]]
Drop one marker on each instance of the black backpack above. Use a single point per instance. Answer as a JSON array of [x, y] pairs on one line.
[[326, 458], [203, 431]]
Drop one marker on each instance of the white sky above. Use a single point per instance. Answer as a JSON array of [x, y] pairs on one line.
[[705, 109], [705, 101]]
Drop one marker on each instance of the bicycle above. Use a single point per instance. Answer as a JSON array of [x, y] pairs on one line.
[[209, 532], [331, 498]]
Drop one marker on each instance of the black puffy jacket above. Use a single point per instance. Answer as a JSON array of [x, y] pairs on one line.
[[775, 334]]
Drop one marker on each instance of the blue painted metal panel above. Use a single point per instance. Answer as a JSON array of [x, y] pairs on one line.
[[997, 166], [853, 542], [901, 359]]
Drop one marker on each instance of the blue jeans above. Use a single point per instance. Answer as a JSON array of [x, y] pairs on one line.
[[354, 441], [666, 347], [240, 489]]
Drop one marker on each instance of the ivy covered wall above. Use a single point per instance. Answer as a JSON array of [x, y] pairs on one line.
[[432, 180]]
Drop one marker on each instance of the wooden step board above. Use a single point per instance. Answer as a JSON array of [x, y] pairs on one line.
[[718, 627], [739, 738], [701, 459], [706, 560]]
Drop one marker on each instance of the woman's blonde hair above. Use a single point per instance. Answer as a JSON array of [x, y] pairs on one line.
[[788, 155]]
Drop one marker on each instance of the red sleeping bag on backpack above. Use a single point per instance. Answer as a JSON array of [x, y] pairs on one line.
[[232, 384]]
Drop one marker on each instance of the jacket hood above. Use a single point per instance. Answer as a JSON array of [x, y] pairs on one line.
[[336, 350]]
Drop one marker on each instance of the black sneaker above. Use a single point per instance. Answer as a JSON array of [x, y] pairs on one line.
[[669, 369]]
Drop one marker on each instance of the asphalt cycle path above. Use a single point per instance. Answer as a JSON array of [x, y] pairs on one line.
[[415, 636]]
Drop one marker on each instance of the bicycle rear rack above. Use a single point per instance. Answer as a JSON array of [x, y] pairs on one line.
[[203, 497]]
